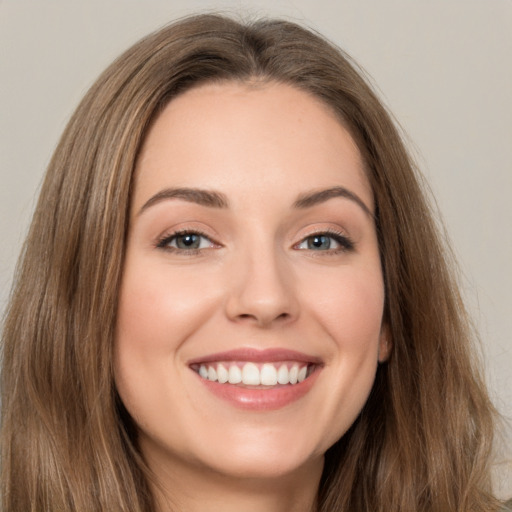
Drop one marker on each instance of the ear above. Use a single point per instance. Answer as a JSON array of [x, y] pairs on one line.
[[385, 344]]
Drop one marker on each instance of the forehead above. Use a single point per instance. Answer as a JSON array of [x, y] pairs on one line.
[[247, 139]]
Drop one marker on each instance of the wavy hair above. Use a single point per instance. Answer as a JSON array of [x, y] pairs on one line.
[[423, 440]]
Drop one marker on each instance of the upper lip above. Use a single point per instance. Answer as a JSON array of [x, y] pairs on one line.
[[273, 355]]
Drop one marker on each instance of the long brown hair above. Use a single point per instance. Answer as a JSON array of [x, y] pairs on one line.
[[423, 440]]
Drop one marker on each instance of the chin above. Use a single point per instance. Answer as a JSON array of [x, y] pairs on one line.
[[242, 453], [263, 466], [267, 453]]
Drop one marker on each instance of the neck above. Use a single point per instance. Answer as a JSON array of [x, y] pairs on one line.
[[193, 490]]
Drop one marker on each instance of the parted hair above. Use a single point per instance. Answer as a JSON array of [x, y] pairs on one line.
[[423, 441]]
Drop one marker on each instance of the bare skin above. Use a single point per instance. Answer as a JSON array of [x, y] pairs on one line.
[[297, 492], [251, 244]]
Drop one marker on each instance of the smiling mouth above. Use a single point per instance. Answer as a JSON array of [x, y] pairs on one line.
[[255, 374], [258, 380]]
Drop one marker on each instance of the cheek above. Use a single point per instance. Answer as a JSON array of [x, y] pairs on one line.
[[160, 309], [350, 308], [350, 314], [158, 312]]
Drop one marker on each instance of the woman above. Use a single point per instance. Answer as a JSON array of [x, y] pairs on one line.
[[233, 295]]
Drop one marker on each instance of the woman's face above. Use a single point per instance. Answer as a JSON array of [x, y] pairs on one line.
[[250, 314]]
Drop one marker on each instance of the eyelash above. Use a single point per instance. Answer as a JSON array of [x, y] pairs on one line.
[[163, 243], [344, 242]]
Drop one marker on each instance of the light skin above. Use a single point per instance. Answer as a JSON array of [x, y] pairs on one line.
[[269, 190]]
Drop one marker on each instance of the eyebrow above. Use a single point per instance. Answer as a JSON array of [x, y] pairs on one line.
[[213, 199], [313, 198], [208, 198]]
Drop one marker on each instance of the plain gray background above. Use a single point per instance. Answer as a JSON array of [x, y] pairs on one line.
[[443, 67]]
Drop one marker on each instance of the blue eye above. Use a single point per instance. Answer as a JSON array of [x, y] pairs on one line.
[[185, 241], [319, 242], [326, 242]]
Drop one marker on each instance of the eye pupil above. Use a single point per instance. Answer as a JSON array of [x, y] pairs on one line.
[[319, 242], [188, 241]]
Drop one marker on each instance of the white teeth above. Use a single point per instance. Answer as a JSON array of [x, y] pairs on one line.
[[268, 375], [294, 374], [203, 371], [222, 374], [212, 374], [283, 376], [235, 374], [251, 374]]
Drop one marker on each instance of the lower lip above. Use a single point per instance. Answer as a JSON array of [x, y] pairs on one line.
[[259, 399]]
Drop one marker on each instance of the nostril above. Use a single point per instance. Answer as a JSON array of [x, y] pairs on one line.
[[262, 319]]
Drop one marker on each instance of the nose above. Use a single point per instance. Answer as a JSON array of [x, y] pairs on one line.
[[262, 290]]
